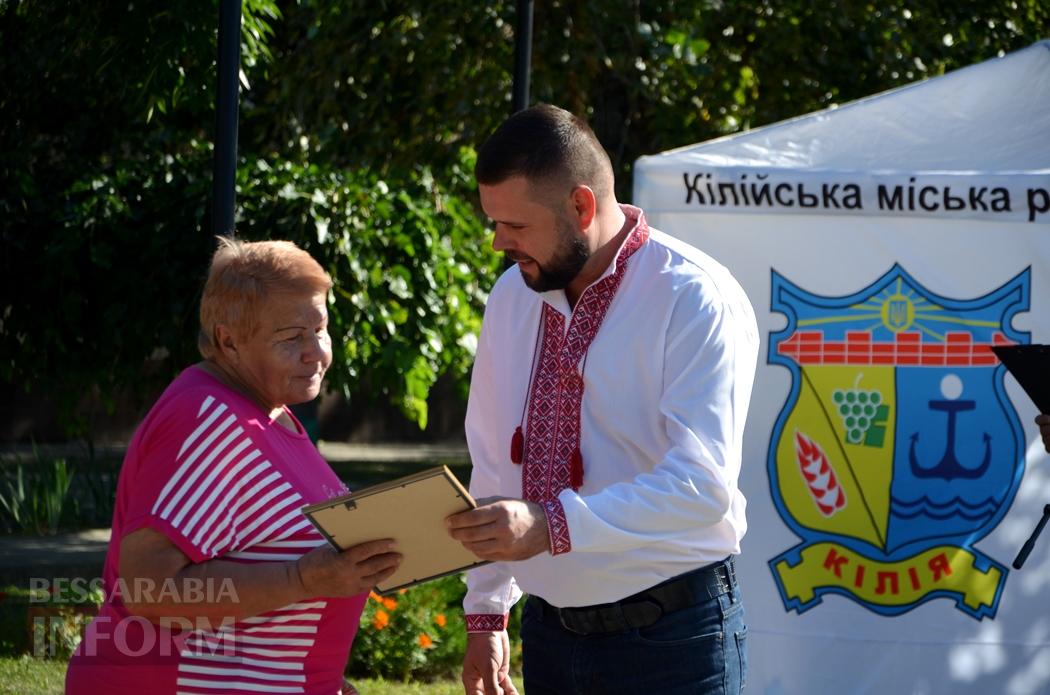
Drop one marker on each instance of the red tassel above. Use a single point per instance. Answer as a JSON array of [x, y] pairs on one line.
[[517, 445], [576, 469]]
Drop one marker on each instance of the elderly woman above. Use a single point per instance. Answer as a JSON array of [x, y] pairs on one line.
[[215, 581]]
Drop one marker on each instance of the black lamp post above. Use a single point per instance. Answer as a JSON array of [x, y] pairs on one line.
[[522, 55], [229, 67]]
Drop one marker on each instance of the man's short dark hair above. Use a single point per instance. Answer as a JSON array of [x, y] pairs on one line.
[[550, 147]]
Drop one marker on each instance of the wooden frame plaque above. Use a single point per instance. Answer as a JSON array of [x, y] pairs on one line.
[[412, 511]]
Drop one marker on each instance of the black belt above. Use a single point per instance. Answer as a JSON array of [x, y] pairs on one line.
[[646, 607]]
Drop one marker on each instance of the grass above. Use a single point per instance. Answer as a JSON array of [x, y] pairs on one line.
[[373, 687], [29, 676]]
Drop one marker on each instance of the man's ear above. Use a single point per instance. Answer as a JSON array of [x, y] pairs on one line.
[[585, 204], [226, 343]]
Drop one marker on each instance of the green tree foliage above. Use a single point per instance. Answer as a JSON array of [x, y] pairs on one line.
[[104, 184], [659, 74], [385, 84], [356, 124], [396, 82], [410, 259], [106, 226]]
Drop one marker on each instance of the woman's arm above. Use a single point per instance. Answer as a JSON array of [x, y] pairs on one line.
[[162, 584]]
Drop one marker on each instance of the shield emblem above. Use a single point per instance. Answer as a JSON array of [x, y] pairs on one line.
[[897, 448]]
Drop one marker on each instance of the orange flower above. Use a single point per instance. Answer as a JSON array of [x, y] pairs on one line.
[[425, 641], [402, 592], [388, 603], [374, 596], [381, 619], [440, 619]]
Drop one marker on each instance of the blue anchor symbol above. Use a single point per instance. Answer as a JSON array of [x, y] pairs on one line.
[[949, 467]]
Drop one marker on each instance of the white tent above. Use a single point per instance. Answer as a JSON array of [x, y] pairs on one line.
[[892, 468]]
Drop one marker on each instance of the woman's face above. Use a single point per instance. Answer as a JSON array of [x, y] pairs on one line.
[[286, 359]]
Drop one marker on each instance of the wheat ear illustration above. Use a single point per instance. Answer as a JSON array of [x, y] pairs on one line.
[[820, 478]]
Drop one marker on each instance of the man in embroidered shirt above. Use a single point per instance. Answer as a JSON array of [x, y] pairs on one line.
[[606, 413]]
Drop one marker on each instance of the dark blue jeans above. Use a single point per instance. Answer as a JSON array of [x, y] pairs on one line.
[[698, 649]]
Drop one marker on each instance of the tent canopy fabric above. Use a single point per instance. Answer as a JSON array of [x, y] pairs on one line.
[[971, 144], [989, 117]]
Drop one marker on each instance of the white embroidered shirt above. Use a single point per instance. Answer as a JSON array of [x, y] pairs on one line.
[[657, 410]]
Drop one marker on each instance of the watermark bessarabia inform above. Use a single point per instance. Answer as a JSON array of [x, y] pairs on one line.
[[56, 620]]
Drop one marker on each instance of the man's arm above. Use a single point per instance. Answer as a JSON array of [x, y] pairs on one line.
[[491, 589]]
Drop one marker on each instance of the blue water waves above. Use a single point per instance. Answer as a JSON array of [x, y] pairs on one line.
[[956, 507]]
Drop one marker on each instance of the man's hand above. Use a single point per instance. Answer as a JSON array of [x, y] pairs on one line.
[[1044, 429], [501, 529], [486, 664]]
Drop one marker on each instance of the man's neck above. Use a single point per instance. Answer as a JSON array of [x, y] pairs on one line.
[[612, 229]]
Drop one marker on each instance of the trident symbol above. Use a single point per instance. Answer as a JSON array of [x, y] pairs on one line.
[[949, 467]]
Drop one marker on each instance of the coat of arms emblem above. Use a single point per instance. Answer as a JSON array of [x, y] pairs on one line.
[[898, 448]]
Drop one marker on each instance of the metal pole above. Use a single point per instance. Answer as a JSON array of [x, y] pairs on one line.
[[229, 67], [522, 55], [1030, 543]]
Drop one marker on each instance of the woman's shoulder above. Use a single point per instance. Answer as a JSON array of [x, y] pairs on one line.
[[192, 397]]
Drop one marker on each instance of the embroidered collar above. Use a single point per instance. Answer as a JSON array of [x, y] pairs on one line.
[[635, 239], [549, 447]]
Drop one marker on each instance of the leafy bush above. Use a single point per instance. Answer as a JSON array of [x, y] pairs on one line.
[[418, 633], [44, 496], [92, 494], [43, 623], [32, 497]]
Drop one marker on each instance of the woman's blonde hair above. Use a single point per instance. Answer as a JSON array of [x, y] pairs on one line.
[[242, 277]]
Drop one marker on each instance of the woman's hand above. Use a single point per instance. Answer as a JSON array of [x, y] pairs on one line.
[[150, 562], [324, 571]]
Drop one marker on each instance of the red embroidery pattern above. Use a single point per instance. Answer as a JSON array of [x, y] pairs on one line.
[[557, 527], [486, 622], [542, 428], [553, 425]]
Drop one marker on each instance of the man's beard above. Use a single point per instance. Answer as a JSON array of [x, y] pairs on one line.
[[568, 260]]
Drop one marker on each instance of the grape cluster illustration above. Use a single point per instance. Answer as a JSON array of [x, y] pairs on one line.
[[857, 407]]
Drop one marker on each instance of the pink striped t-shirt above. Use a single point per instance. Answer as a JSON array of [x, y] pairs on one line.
[[209, 470]]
